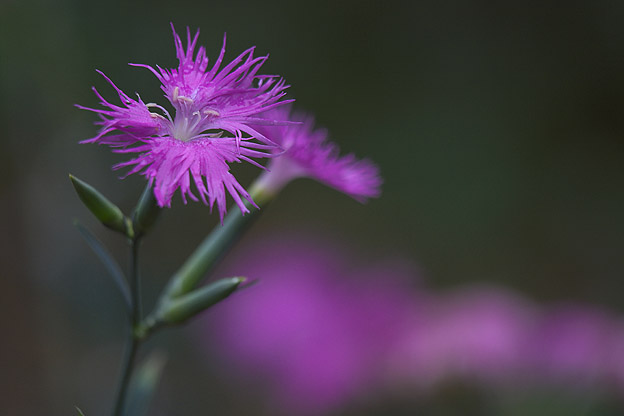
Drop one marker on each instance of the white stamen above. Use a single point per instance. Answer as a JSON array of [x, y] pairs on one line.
[[211, 135], [198, 119], [180, 98], [211, 112], [164, 110]]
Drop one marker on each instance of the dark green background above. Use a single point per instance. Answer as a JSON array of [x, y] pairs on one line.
[[498, 128]]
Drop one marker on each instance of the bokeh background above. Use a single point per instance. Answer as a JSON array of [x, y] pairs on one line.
[[498, 128]]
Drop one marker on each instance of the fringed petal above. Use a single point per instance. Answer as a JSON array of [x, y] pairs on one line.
[[171, 164], [309, 153]]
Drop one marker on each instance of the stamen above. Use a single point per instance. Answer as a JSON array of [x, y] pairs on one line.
[[180, 98], [211, 112], [215, 135], [198, 119], [164, 110]]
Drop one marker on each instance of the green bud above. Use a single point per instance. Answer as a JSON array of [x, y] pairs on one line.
[[103, 209], [146, 212], [178, 310]]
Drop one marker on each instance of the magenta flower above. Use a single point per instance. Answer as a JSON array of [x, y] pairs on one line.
[[217, 112], [318, 334], [308, 153], [313, 333]]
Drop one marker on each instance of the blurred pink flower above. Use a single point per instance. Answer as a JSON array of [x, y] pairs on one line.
[[479, 332], [580, 344], [318, 333]]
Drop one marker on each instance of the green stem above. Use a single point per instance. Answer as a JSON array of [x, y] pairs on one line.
[[135, 281], [133, 342], [208, 254], [203, 259], [124, 380]]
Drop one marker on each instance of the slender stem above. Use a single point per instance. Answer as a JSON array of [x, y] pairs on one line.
[[135, 281], [214, 247], [209, 252], [124, 380], [133, 342], [206, 256]]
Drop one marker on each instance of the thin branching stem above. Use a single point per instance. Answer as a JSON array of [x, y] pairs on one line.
[[133, 342]]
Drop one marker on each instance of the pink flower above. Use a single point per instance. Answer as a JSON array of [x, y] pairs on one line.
[[217, 112], [308, 153], [314, 332], [318, 333]]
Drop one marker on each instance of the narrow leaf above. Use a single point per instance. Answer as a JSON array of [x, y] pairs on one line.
[[179, 309], [79, 411], [103, 209], [109, 263]]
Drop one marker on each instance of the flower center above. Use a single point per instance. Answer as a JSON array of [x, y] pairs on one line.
[[185, 127], [190, 120]]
